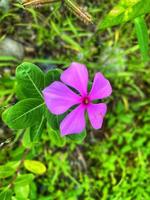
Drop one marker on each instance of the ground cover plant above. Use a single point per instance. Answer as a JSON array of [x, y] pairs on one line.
[[38, 42]]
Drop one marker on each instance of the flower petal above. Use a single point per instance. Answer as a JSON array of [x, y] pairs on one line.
[[59, 98], [74, 122], [101, 87], [96, 113], [76, 76]]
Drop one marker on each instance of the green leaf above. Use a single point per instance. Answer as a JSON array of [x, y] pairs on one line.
[[55, 137], [24, 179], [30, 81], [26, 140], [24, 114], [54, 120], [36, 131], [12, 164], [143, 38], [71, 42], [33, 134], [6, 171], [124, 11], [53, 129], [35, 166], [51, 76], [77, 137], [6, 194], [22, 192], [22, 186]]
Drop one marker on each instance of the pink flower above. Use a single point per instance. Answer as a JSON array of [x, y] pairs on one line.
[[59, 98]]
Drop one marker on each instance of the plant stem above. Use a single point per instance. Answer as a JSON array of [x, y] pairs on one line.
[[19, 167]]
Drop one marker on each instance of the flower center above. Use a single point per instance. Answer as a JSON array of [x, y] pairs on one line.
[[86, 101]]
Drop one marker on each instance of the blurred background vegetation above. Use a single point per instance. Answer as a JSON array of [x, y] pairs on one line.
[[111, 163]]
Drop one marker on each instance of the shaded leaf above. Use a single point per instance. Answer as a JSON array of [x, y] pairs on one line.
[[33, 134], [54, 120], [77, 137], [36, 131], [24, 114], [30, 81], [51, 76], [55, 137]]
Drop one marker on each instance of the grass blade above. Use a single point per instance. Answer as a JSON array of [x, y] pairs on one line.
[[142, 35]]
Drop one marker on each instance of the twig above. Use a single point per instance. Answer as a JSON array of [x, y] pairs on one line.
[[70, 4], [79, 12], [81, 158], [38, 2], [19, 167]]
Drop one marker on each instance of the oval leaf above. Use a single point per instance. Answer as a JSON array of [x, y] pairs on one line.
[[35, 166], [30, 81], [24, 114]]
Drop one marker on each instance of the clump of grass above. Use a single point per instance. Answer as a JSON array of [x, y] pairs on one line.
[[71, 5]]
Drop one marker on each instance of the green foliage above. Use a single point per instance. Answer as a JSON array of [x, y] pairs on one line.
[[30, 113], [54, 121], [55, 137], [24, 114], [35, 131], [51, 76], [143, 37], [30, 81], [124, 11], [131, 10], [8, 169], [113, 163], [6, 194], [35, 166], [77, 137], [21, 192], [33, 134], [22, 186], [24, 179]]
